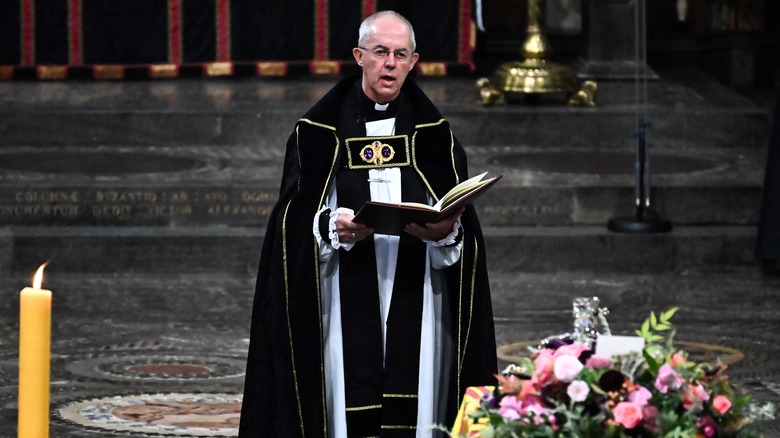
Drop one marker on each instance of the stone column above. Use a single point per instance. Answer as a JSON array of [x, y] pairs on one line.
[[612, 36]]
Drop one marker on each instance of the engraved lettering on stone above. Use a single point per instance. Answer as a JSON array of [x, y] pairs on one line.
[[528, 210]]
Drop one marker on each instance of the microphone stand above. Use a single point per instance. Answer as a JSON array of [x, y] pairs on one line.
[[645, 219]]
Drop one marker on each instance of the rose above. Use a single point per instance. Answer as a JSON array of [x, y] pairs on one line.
[[566, 368], [694, 396], [640, 396], [628, 414], [575, 349], [721, 404], [667, 379], [578, 390]]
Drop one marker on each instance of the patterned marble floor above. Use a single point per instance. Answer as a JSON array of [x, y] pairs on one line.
[[152, 355]]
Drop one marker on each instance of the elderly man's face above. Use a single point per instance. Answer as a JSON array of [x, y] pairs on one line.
[[386, 59]]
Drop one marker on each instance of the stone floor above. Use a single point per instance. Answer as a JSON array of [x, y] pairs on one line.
[[152, 292], [122, 340]]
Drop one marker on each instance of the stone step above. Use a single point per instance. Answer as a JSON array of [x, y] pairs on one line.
[[510, 249], [261, 112], [242, 205], [238, 186]]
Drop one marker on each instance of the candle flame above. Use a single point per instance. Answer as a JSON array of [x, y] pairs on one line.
[[38, 280]]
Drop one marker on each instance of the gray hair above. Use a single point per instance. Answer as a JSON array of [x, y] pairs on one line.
[[364, 33]]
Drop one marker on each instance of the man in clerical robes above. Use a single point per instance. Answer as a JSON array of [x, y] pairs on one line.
[[356, 333]]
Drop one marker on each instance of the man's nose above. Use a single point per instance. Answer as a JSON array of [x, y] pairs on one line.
[[390, 61]]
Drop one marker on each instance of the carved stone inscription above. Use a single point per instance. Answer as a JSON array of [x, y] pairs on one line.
[[135, 206], [514, 214]]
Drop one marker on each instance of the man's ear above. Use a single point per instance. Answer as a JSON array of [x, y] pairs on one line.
[[415, 57], [358, 54]]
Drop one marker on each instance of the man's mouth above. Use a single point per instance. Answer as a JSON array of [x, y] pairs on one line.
[[387, 78]]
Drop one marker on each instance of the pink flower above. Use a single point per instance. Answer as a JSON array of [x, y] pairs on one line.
[[721, 404], [677, 360], [628, 414], [510, 408], [640, 396], [574, 349], [566, 368], [597, 362], [544, 367], [578, 390], [707, 427], [694, 396], [538, 410], [530, 387], [649, 413], [667, 379]]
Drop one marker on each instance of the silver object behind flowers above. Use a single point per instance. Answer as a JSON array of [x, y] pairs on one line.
[[589, 321]]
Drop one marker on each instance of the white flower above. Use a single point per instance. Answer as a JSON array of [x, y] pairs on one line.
[[566, 368], [578, 390]]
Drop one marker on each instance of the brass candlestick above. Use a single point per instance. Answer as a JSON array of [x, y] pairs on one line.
[[534, 75]]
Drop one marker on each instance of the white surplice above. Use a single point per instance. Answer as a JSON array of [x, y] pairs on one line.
[[385, 186]]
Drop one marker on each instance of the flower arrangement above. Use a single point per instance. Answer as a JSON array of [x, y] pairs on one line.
[[565, 390]]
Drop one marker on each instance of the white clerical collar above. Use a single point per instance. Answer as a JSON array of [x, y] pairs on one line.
[[381, 107]]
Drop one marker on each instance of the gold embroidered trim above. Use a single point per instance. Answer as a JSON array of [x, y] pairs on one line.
[[429, 125], [287, 311], [419, 172], [398, 426], [471, 299], [460, 319], [385, 162], [321, 125], [363, 408], [317, 274], [452, 157]]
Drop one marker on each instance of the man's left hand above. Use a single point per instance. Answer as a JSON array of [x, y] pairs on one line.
[[434, 231]]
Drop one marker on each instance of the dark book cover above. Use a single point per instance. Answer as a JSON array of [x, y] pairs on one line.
[[389, 218]]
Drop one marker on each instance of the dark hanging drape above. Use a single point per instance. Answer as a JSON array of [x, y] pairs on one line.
[[170, 38]]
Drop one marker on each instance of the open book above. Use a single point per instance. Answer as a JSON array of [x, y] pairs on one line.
[[390, 218]]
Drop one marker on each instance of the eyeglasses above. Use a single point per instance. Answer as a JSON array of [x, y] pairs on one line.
[[382, 53]]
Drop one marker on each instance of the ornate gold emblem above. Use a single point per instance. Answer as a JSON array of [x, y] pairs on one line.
[[377, 153]]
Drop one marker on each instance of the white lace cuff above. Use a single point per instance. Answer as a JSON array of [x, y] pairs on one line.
[[452, 239], [332, 234]]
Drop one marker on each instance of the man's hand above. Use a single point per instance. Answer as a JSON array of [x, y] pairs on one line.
[[434, 231], [351, 232]]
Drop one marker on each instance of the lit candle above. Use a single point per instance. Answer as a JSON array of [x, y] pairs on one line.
[[34, 359]]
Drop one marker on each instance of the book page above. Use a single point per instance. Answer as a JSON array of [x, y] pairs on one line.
[[419, 205], [457, 191]]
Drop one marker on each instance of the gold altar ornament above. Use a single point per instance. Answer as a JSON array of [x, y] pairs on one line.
[[534, 75]]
